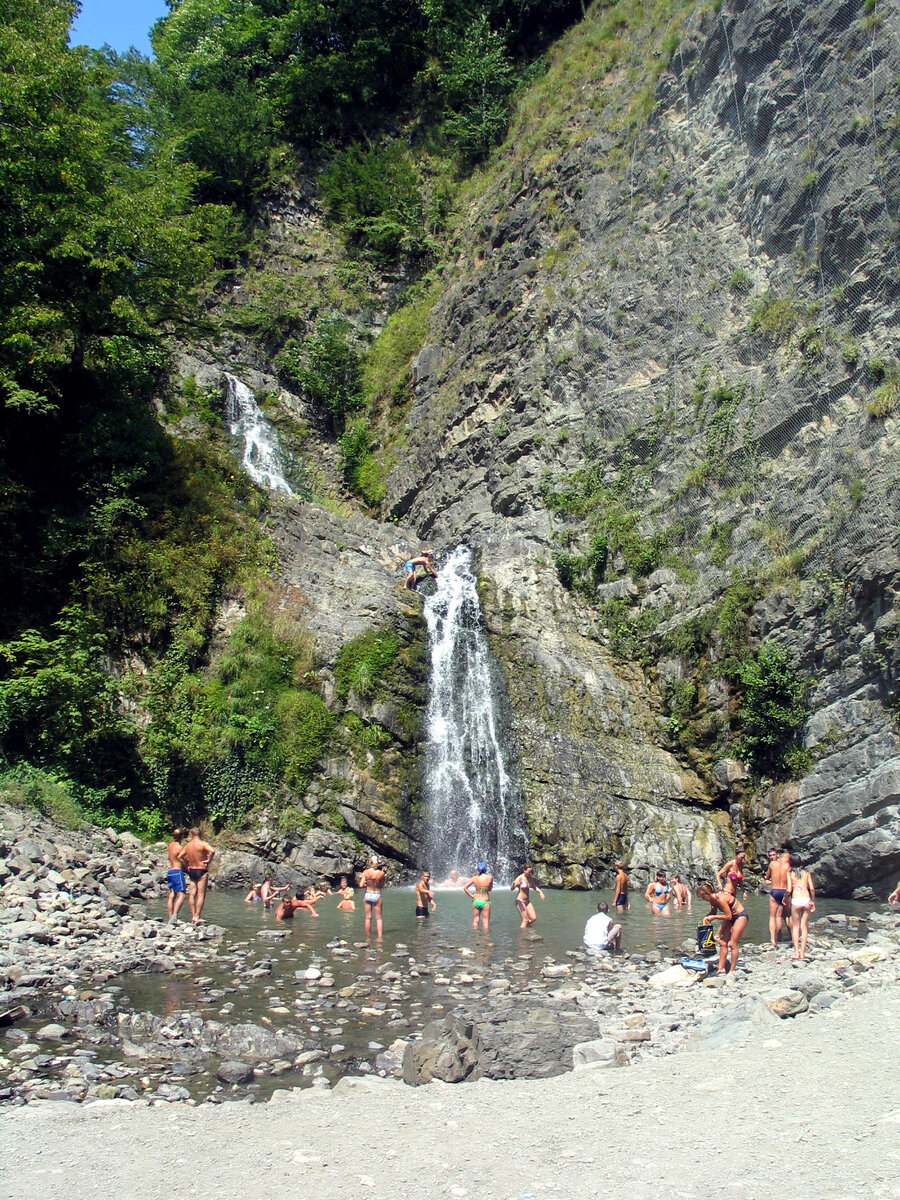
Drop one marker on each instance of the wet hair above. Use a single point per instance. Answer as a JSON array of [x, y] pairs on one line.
[[603, 907], [298, 895]]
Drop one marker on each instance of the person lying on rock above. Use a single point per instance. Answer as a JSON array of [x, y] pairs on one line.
[[421, 560], [287, 908]]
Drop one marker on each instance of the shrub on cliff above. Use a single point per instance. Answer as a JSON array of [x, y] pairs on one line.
[[773, 710]]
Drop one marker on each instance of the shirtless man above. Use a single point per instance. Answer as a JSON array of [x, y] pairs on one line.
[[481, 884], [620, 899], [424, 896], [522, 885], [175, 877], [681, 893], [287, 908], [372, 881], [777, 873], [421, 560], [196, 855], [268, 892]]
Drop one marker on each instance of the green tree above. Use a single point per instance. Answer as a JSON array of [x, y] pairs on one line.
[[478, 81], [773, 709], [327, 367]]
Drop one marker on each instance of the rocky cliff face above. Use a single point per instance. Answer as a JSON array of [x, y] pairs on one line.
[[684, 331], [659, 397]]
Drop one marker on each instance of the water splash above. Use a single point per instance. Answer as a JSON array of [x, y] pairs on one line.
[[262, 454], [473, 807]]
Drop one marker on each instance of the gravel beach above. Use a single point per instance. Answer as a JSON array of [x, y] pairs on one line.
[[810, 1106]]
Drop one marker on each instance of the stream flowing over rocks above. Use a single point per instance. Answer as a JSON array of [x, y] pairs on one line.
[[76, 941]]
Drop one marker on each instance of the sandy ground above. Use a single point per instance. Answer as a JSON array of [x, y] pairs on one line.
[[812, 1109]]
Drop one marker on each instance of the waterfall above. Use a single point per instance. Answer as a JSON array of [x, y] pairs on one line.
[[473, 807], [262, 455]]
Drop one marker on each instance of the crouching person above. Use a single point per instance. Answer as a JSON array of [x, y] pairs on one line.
[[600, 933]]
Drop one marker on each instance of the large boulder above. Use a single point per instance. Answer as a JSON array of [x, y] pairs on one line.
[[450, 1050]]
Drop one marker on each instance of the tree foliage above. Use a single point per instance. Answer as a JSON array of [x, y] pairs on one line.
[[773, 710]]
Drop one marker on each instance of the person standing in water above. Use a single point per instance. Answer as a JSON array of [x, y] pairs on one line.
[[522, 886], [727, 909], [802, 892], [681, 893], [372, 881], [776, 877], [620, 899], [424, 896], [346, 902], [481, 884], [421, 560], [196, 855], [175, 877], [657, 895], [733, 873]]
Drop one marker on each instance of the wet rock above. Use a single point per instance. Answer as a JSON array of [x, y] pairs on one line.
[[234, 1072], [51, 1033]]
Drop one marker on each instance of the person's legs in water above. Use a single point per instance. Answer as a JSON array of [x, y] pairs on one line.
[[200, 896], [379, 920], [368, 907], [523, 912]]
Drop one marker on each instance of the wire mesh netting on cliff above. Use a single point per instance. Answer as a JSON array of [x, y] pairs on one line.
[[741, 352]]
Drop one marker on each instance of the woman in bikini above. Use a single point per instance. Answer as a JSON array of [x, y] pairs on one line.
[[481, 884], [657, 895], [372, 881], [802, 892], [734, 919], [733, 874], [522, 886]]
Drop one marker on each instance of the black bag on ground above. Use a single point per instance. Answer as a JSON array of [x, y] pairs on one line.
[[706, 939]]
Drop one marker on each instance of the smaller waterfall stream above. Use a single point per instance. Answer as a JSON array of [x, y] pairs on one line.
[[473, 807], [262, 454]]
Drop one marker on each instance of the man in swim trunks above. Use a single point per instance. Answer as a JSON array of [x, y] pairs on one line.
[[681, 893], [175, 877], [421, 560], [657, 895], [481, 884], [424, 896], [599, 932], [372, 881], [196, 855], [620, 899], [777, 873], [287, 908]]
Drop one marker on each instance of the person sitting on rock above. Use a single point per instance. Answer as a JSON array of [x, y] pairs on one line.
[[288, 907], [600, 933], [421, 560]]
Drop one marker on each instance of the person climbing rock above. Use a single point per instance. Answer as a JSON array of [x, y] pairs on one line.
[[421, 560]]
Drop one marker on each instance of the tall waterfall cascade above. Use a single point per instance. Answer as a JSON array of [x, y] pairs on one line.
[[262, 454], [473, 807]]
